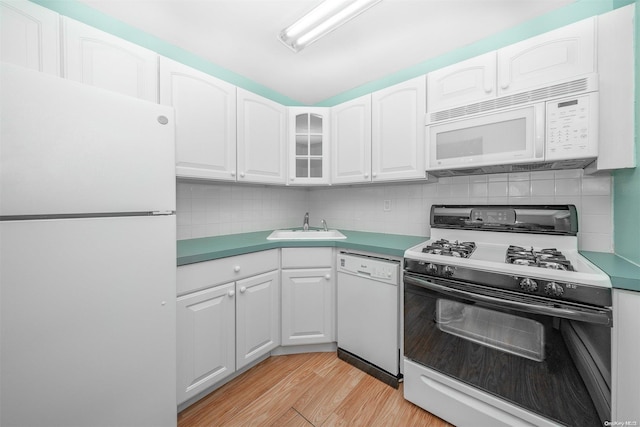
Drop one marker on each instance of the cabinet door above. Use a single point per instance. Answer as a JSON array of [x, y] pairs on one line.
[[100, 59], [308, 146], [307, 306], [351, 141], [261, 139], [616, 141], [625, 387], [205, 109], [547, 59], [398, 129], [206, 339], [257, 317], [464, 83], [29, 36]]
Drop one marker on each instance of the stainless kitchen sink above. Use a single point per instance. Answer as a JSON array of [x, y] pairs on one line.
[[306, 235]]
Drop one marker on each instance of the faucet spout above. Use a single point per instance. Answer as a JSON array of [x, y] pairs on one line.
[[305, 222], [324, 225]]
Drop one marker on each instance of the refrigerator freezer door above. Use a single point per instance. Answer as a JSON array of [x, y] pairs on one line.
[[69, 148], [88, 322]]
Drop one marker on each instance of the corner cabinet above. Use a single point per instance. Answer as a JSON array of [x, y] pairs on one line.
[[398, 131], [228, 315], [351, 141], [205, 109], [103, 60], [262, 139], [308, 146], [29, 36], [308, 296]]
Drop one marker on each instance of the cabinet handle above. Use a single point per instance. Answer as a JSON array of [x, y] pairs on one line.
[[243, 289], [488, 89], [233, 173], [236, 268], [366, 175], [291, 179], [241, 174], [374, 174], [231, 293], [504, 85], [327, 277]]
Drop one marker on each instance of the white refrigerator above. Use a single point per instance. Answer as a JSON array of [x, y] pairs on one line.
[[87, 256]]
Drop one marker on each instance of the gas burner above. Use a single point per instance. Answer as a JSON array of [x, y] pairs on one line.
[[454, 249], [545, 258]]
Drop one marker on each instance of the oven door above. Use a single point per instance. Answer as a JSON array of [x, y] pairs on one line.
[[520, 352]]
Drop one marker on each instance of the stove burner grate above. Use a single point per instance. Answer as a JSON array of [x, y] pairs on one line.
[[545, 258], [454, 249]]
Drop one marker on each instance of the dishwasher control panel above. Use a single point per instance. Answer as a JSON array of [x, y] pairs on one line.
[[374, 268]]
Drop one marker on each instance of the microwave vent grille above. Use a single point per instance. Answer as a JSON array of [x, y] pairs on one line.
[[573, 86], [525, 167]]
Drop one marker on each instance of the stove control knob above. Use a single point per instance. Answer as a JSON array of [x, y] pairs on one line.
[[447, 271], [432, 268], [528, 285], [554, 289]]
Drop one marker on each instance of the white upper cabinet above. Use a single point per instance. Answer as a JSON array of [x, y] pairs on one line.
[[398, 131], [308, 146], [547, 59], [262, 139], [205, 109], [100, 59], [29, 36], [616, 56], [351, 141], [466, 82]]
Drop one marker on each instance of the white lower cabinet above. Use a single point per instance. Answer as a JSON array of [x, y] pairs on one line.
[[625, 390], [257, 317], [222, 327], [308, 296]]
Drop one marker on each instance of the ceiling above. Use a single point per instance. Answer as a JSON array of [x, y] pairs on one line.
[[240, 36]]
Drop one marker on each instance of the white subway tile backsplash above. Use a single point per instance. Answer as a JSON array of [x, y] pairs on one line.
[[219, 208]]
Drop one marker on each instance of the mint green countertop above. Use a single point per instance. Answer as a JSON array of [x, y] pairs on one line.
[[209, 248], [623, 274]]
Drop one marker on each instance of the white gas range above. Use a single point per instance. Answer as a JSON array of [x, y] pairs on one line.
[[505, 323]]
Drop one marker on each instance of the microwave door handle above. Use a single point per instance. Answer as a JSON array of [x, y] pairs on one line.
[[592, 316]]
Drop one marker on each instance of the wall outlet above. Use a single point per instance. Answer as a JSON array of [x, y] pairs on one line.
[[386, 206]]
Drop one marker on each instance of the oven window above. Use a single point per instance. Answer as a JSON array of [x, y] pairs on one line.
[[439, 333], [503, 331]]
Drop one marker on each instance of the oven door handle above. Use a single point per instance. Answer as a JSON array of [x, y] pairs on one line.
[[601, 317]]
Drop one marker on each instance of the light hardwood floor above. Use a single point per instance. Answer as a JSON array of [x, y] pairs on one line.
[[303, 390]]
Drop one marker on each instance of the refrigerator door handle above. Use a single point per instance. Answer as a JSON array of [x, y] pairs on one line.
[[163, 213]]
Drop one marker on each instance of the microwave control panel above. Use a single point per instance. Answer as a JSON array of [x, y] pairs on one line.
[[572, 127]]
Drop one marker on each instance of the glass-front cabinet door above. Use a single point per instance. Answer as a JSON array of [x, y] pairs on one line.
[[309, 148]]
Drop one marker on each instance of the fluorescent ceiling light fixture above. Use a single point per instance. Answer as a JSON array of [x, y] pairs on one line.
[[326, 17]]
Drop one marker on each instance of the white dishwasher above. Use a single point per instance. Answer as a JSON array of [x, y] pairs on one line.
[[368, 315]]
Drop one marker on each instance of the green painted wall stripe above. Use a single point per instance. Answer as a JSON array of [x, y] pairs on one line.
[[83, 13]]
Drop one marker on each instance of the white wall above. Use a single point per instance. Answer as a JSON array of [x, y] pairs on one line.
[[217, 209]]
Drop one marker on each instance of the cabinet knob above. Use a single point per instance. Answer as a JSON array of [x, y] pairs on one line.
[[291, 179], [504, 85], [233, 173], [374, 174], [243, 289], [241, 174], [366, 175], [231, 293], [327, 277], [488, 89], [236, 268]]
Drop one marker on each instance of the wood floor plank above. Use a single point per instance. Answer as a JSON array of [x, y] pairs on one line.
[[304, 390], [321, 400], [291, 418]]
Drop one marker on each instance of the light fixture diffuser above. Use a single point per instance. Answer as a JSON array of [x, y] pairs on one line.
[[326, 17]]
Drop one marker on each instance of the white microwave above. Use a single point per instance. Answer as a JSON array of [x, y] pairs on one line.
[[553, 134]]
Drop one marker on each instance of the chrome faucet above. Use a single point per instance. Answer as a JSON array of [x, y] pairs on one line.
[[305, 223], [324, 225]]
